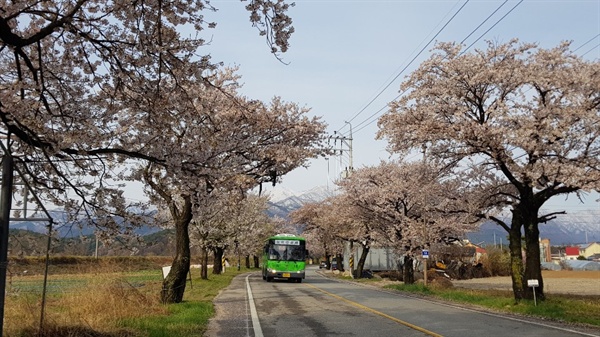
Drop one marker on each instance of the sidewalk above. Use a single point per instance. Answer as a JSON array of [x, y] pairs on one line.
[[232, 314]]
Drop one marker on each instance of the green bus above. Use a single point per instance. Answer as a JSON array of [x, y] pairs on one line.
[[284, 257]]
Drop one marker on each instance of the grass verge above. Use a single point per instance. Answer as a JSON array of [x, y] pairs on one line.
[[109, 303], [189, 318], [562, 308]]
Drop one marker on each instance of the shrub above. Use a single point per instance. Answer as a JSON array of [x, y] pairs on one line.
[[496, 261], [393, 275]]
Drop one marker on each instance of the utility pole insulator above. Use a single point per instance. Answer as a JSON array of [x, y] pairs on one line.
[[345, 147]]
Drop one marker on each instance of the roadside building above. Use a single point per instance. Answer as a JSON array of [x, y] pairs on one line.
[[571, 253], [595, 257], [589, 249], [545, 253]]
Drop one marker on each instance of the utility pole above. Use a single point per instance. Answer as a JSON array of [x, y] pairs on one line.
[[350, 159], [425, 236], [6, 197], [5, 204], [345, 146]]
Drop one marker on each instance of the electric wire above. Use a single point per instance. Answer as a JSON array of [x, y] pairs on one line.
[[409, 63], [362, 125], [492, 27], [588, 41], [373, 117], [383, 87], [367, 120], [483, 22], [589, 51]]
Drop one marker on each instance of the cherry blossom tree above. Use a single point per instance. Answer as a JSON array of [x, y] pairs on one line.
[[307, 217], [75, 75], [216, 140], [255, 227], [318, 223], [231, 221], [408, 206], [316, 251], [86, 85], [528, 115], [350, 222]]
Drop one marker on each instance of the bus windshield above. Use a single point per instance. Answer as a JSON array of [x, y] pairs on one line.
[[286, 252]]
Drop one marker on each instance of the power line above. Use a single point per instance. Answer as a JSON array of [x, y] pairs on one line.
[[373, 115], [494, 25], [588, 41], [396, 77], [483, 22], [403, 69], [587, 52], [371, 119]]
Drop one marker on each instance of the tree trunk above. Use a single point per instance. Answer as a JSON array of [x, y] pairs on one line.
[[525, 215], [247, 261], [218, 264], [361, 261], [204, 268], [408, 272], [533, 270], [256, 262], [174, 284], [516, 259], [339, 260]]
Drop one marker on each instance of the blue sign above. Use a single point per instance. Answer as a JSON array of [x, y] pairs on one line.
[[425, 254]]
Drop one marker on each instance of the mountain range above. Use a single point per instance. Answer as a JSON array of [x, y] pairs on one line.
[[283, 201], [64, 229], [578, 227]]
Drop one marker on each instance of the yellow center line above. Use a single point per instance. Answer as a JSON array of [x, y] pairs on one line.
[[358, 305]]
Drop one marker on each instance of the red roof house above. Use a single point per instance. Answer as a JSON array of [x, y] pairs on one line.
[[571, 253]]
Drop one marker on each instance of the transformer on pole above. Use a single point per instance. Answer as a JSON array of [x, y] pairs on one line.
[[345, 147]]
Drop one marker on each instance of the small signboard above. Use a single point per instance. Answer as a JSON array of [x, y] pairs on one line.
[[425, 254], [533, 284], [165, 271]]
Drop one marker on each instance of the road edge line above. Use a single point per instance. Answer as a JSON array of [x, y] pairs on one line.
[[255, 322]]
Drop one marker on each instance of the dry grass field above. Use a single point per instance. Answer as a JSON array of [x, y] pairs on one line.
[[555, 282]]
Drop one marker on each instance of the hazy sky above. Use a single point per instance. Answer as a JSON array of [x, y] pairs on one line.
[[348, 58]]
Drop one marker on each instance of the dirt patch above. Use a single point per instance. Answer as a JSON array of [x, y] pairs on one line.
[[556, 282], [584, 283], [571, 274]]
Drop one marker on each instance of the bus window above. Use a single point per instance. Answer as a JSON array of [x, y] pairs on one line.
[[286, 253], [274, 254], [297, 253]]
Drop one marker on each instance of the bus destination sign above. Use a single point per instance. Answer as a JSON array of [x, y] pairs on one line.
[[287, 242]]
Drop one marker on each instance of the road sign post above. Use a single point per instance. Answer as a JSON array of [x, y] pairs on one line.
[[425, 256], [533, 284]]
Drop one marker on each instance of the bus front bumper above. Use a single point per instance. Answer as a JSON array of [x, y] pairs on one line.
[[286, 274]]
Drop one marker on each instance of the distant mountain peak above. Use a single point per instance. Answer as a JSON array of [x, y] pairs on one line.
[[570, 228], [278, 194], [283, 201]]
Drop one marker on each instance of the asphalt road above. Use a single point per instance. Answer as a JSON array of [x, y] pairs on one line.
[[321, 306]]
